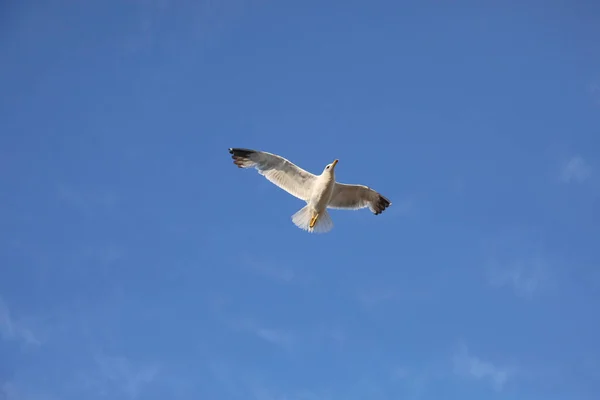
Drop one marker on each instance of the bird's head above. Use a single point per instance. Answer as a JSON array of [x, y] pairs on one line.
[[329, 168]]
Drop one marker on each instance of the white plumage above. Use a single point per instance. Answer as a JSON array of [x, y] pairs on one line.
[[318, 191]]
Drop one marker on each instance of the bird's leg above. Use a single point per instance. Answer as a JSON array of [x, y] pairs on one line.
[[314, 219]]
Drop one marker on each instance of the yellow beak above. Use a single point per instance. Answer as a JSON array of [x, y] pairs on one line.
[[334, 163]]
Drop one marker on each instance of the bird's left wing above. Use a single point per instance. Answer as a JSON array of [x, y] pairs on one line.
[[354, 197], [281, 172]]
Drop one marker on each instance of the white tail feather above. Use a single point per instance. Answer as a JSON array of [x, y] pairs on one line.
[[303, 216]]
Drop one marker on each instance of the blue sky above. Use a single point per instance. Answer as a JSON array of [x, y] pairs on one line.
[[137, 262]]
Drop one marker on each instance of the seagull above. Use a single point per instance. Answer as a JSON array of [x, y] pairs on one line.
[[318, 191]]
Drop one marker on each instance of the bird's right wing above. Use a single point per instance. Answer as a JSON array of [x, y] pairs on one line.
[[354, 197], [276, 169]]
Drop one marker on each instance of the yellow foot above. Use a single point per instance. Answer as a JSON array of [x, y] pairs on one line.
[[313, 221]]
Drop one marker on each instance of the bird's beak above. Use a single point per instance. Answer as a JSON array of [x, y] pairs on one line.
[[334, 163]]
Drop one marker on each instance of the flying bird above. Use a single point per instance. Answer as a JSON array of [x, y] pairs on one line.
[[318, 191]]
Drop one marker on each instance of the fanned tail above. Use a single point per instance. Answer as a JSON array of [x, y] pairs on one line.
[[303, 216]]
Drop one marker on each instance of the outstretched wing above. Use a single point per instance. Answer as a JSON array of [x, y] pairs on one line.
[[354, 197], [276, 169]]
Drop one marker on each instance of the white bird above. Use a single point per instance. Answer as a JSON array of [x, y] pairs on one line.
[[319, 192]]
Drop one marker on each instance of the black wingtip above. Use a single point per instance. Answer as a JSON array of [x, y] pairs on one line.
[[382, 204], [240, 152]]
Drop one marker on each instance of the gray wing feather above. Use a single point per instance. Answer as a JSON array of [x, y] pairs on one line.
[[354, 197], [276, 169]]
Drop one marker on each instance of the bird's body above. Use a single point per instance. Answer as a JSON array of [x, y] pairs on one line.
[[316, 204], [322, 191], [318, 191]]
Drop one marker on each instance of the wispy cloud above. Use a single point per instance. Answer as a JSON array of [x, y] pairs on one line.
[[263, 392], [414, 382], [104, 254], [205, 21], [253, 384], [13, 329], [525, 276], [86, 200], [12, 391], [141, 36], [333, 336], [403, 207], [472, 367], [517, 259], [380, 294], [278, 272], [418, 379], [374, 296], [575, 170], [8, 391], [117, 374], [594, 90], [274, 336]]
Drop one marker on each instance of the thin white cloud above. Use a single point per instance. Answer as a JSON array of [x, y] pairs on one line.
[[87, 201], [472, 367], [205, 21], [12, 391], [415, 380], [575, 170], [374, 296], [458, 185], [263, 392], [123, 376], [594, 90], [276, 337], [12, 329], [524, 276], [518, 261], [8, 391], [400, 373], [403, 207], [333, 335], [104, 254], [279, 272], [252, 383]]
